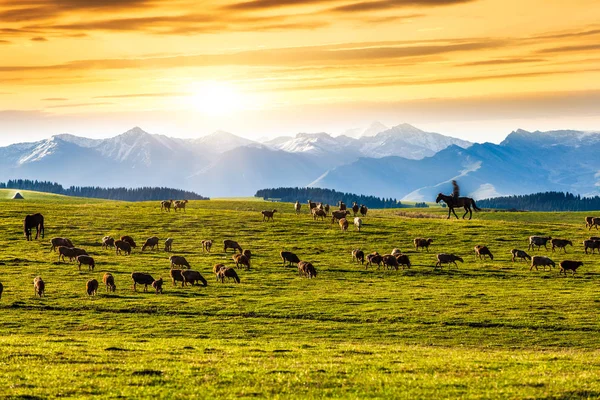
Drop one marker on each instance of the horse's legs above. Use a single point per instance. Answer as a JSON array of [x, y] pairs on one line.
[[449, 210], [454, 212], [466, 211]]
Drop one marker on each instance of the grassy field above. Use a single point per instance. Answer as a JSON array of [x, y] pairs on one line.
[[487, 329]]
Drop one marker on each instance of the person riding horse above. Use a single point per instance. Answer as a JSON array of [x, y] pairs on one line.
[[455, 201]]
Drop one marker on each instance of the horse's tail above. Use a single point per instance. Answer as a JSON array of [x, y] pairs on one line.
[[475, 205], [42, 226], [25, 227]]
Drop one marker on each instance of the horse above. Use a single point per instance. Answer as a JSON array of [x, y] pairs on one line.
[[452, 202], [31, 221]]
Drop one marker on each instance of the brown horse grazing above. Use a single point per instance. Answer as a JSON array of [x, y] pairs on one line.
[[452, 203], [33, 221]]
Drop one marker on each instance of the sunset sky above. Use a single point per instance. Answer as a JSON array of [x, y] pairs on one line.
[[475, 69]]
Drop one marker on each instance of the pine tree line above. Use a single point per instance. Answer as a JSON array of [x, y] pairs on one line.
[[326, 196], [546, 201], [120, 193]]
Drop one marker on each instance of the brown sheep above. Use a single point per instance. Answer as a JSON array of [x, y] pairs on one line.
[[91, 287], [569, 265], [206, 245], [268, 215], [444, 258], [109, 281], [71, 252], [519, 254], [86, 260], [541, 261], [363, 210], [166, 205], [129, 240], [217, 268], [178, 261], [591, 244], [358, 255], [337, 215], [1, 290], [241, 259], [176, 276], [151, 242], [311, 205], [342, 206], [141, 278], [57, 241], [482, 251], [288, 256], [180, 204], [248, 254], [306, 269], [390, 262], [107, 242], [344, 224], [228, 273], [355, 208], [316, 213], [595, 222], [169, 245], [326, 209], [38, 286], [191, 276], [374, 258], [297, 207], [158, 285], [403, 260], [561, 244], [121, 245], [588, 221], [538, 241], [422, 243], [231, 244]]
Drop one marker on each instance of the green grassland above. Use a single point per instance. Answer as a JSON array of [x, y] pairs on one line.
[[487, 329]]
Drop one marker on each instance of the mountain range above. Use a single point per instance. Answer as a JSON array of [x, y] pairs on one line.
[[401, 162]]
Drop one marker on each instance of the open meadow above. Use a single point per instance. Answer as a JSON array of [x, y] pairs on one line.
[[487, 329]]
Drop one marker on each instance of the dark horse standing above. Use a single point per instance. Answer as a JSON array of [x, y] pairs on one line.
[[456, 201], [33, 221]]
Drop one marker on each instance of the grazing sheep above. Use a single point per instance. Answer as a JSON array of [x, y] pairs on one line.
[[344, 224], [206, 245], [231, 244], [396, 252], [422, 243], [176, 276], [268, 215], [337, 215], [519, 254], [355, 208], [158, 285], [179, 261], [217, 268], [38, 286], [538, 241], [541, 261], [306, 269], [342, 206], [241, 259], [595, 222], [288, 256], [560, 244], [357, 223], [588, 221], [107, 242], [180, 204], [297, 207], [151, 242], [482, 251], [109, 281], [71, 252], [1, 290], [228, 273], [166, 205], [591, 244], [390, 262], [129, 240], [191, 276], [318, 213], [91, 287], [141, 278], [444, 258], [169, 245], [569, 265], [374, 258], [248, 254], [86, 260], [57, 241], [363, 210], [403, 260], [121, 245], [358, 255], [311, 205]]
